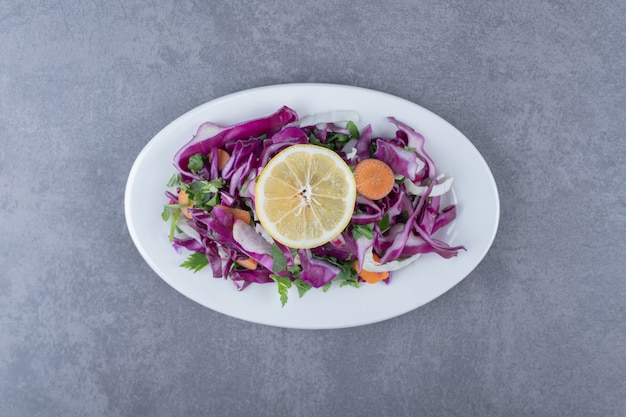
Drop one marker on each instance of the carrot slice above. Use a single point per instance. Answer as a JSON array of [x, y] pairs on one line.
[[222, 159], [374, 178], [240, 214], [373, 277], [183, 198], [369, 276], [247, 263]]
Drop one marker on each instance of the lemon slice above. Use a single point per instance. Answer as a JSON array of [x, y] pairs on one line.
[[305, 196]]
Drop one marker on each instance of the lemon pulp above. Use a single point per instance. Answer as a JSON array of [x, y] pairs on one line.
[[305, 196]]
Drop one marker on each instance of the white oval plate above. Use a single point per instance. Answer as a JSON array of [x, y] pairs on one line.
[[474, 192]]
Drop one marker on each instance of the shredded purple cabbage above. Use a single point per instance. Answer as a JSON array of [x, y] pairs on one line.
[[396, 227]]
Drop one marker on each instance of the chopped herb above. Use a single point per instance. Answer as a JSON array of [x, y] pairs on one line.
[[348, 276], [338, 139], [302, 286], [366, 230], [294, 271], [280, 262], [205, 194], [383, 224], [354, 131], [334, 140], [315, 141], [204, 186], [166, 213], [196, 162], [196, 261], [173, 180], [283, 283]]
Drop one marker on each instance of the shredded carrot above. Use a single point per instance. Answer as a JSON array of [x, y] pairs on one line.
[[222, 159], [183, 198], [374, 178], [369, 276], [247, 263], [240, 214]]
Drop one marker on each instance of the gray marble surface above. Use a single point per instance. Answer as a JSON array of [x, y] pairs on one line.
[[88, 329]]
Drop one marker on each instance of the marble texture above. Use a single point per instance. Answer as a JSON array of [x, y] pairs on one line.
[[86, 327]]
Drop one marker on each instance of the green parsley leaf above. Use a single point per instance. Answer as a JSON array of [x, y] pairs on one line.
[[347, 276], [366, 230], [166, 213], [302, 286], [280, 262], [173, 180], [354, 131], [196, 162], [204, 186], [205, 194], [383, 224], [352, 283], [196, 261], [213, 201], [336, 140], [283, 284], [294, 271], [315, 141]]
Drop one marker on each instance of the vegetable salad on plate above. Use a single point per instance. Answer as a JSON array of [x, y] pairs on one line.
[[306, 202]]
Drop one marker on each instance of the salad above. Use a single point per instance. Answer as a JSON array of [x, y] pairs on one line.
[[211, 203]]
